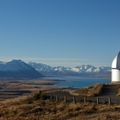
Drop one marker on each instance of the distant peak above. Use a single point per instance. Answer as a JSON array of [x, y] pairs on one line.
[[2, 62], [16, 60]]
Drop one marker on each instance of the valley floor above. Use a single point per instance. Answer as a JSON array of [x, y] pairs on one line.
[[15, 88]]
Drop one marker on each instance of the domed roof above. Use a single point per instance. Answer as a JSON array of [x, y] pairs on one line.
[[116, 62]]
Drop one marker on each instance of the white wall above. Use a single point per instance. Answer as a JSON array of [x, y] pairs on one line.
[[115, 75]]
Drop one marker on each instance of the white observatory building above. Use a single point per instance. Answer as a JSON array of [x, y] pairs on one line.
[[115, 69]]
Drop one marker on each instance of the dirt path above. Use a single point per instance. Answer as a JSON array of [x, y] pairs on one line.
[[109, 91]]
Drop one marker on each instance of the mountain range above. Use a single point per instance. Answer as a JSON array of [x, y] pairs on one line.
[[20, 69], [83, 70]]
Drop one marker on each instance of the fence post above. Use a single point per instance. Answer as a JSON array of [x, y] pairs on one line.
[[109, 100], [74, 101], [97, 100], [65, 99], [51, 97], [85, 100], [56, 98]]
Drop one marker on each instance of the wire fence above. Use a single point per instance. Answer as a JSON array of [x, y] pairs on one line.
[[61, 95]]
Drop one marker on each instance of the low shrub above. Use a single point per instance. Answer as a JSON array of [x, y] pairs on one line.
[[40, 96]]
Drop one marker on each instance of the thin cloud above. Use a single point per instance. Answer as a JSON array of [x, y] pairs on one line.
[[44, 59], [70, 62], [56, 59]]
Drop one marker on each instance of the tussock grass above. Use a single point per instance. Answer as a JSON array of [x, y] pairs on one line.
[[118, 90], [90, 90], [42, 109], [37, 106]]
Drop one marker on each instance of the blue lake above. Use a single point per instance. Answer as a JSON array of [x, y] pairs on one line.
[[79, 82]]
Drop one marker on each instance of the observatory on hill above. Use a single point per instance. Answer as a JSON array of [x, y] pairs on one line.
[[115, 69]]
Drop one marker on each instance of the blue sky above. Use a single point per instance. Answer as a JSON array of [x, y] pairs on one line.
[[60, 32]]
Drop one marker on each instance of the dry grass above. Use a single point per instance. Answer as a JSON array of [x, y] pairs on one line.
[[118, 90], [30, 108], [34, 107], [90, 90]]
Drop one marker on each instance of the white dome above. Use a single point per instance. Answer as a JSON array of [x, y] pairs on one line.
[[116, 62]]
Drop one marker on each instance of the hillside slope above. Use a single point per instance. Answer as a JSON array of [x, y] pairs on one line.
[[17, 69]]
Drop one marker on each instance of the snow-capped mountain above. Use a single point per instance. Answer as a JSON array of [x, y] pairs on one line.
[[14, 65], [40, 67], [75, 71], [17, 69], [20, 69]]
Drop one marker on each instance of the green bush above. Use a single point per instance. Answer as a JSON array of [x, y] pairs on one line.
[[43, 97], [38, 96]]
